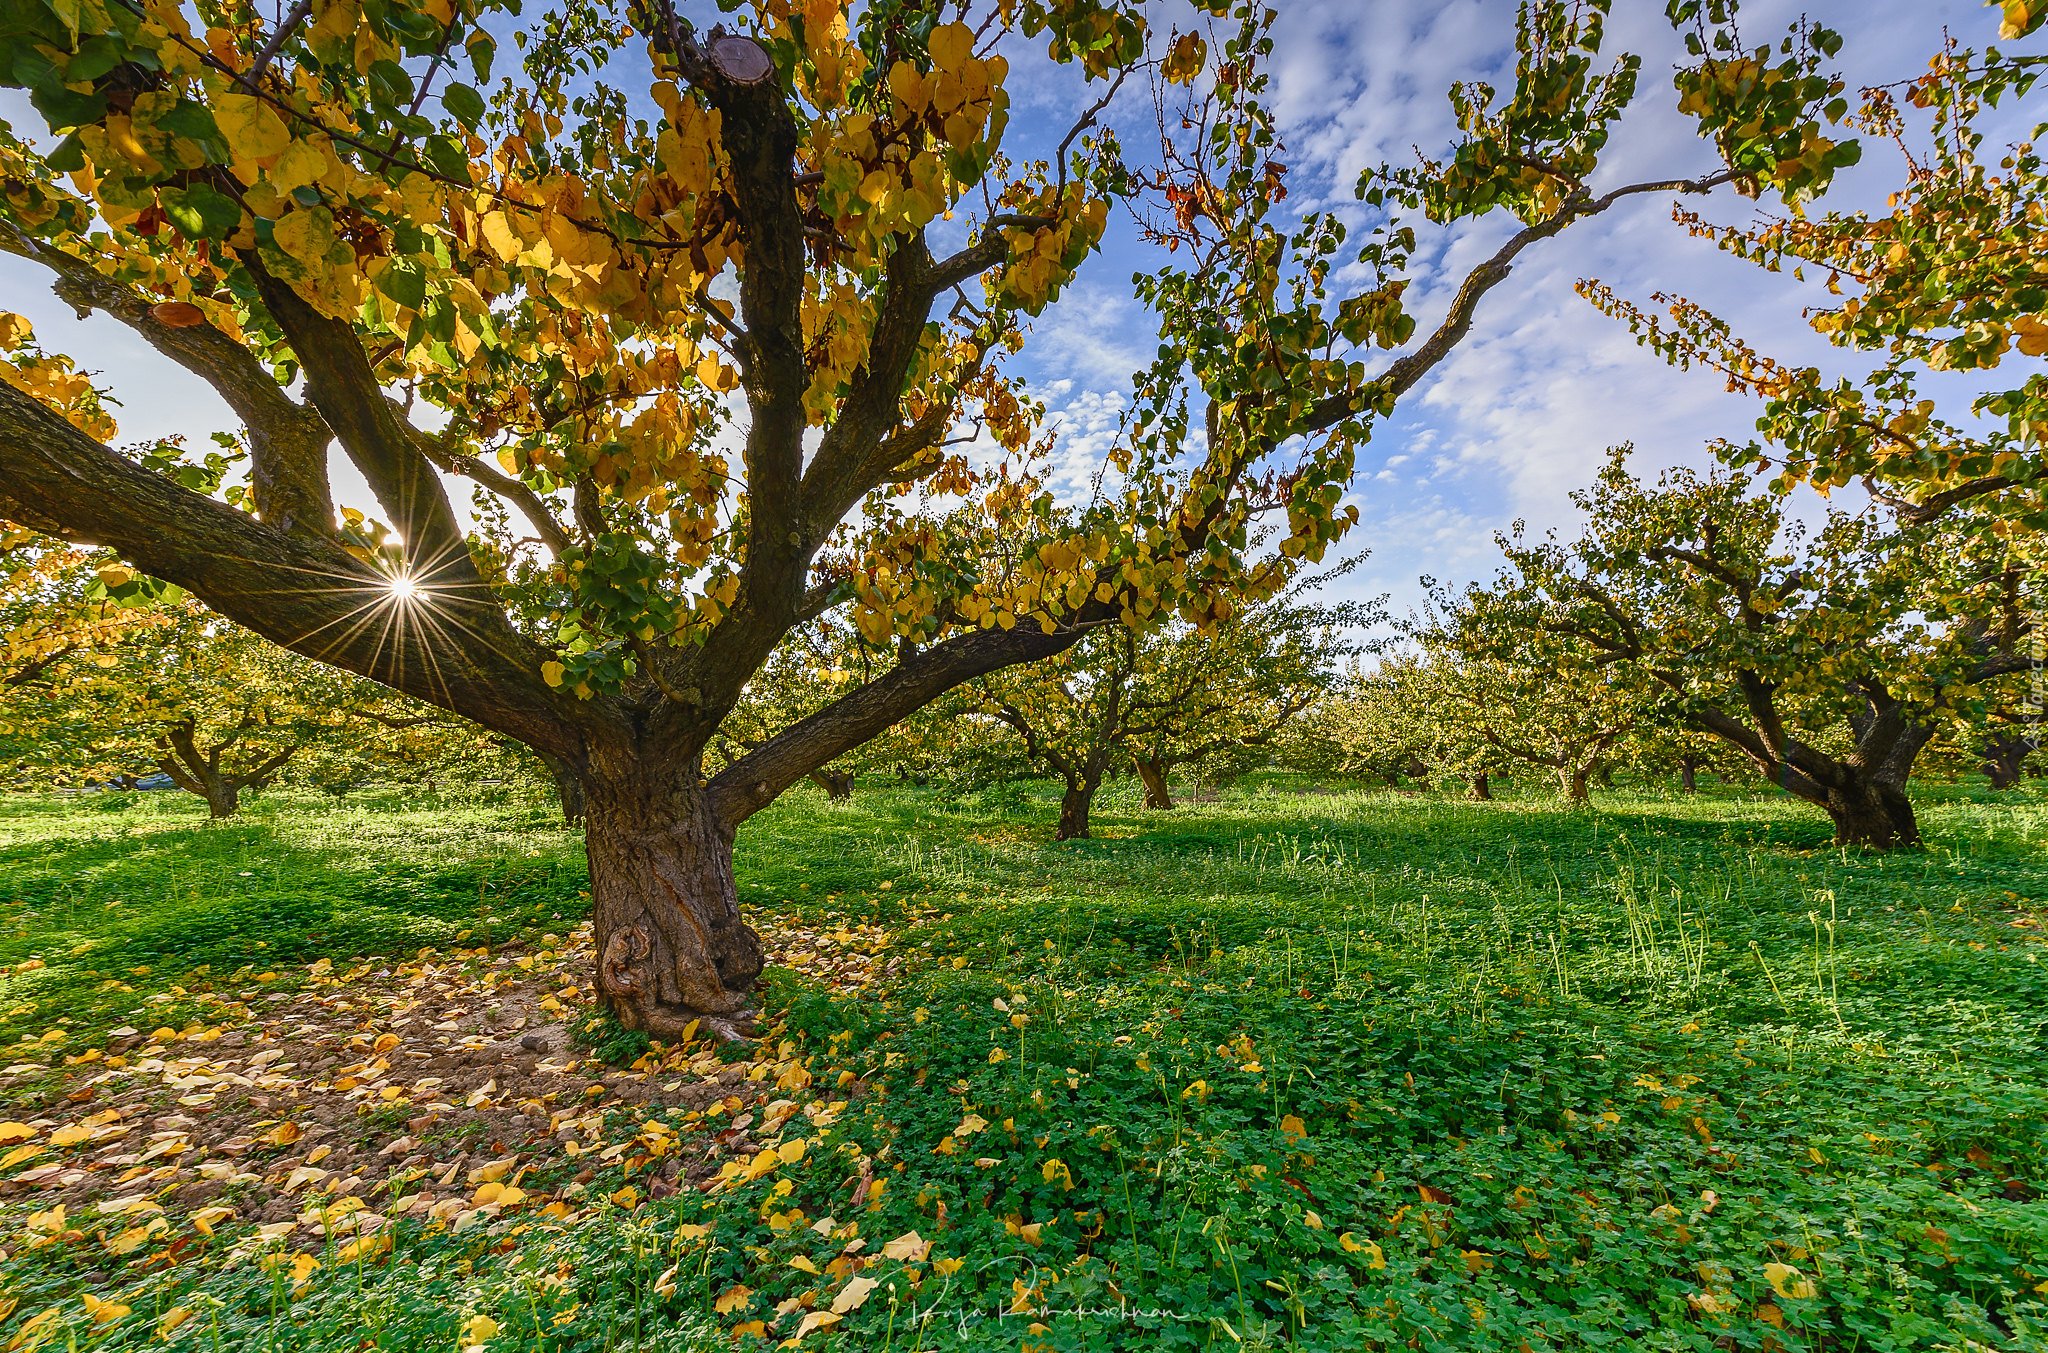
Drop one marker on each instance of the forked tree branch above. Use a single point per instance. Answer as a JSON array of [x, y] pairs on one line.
[[307, 595]]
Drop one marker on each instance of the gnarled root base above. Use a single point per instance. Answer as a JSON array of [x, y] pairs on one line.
[[671, 947]]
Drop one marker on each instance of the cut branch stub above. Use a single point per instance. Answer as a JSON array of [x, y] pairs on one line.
[[738, 58]]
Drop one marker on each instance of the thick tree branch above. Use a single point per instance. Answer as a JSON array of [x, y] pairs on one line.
[[287, 441], [378, 440], [752, 782], [452, 650], [1401, 377]]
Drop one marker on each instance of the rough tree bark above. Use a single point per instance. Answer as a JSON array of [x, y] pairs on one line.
[[1688, 774], [1864, 792], [837, 784], [1481, 788], [1158, 793], [2005, 758], [673, 950], [1075, 805]]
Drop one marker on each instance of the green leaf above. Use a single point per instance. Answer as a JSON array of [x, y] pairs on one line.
[[390, 84], [448, 159], [465, 103], [405, 282], [67, 14], [63, 108], [95, 57], [201, 212]]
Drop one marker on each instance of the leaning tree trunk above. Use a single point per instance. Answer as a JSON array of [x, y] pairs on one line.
[[837, 784], [1153, 773], [671, 947], [2005, 759], [1481, 788]]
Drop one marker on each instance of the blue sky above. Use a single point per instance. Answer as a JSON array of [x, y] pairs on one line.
[[1522, 413], [1510, 424]]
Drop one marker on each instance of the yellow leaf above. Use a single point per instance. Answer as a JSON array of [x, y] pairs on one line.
[[1788, 1281], [203, 1220], [284, 1134], [1184, 62], [252, 129], [791, 1152], [385, 1043], [71, 1135], [498, 233], [1292, 1127], [422, 199], [804, 1264], [364, 1247], [305, 234], [479, 1328], [1351, 1244], [951, 46], [299, 165], [102, 1311], [15, 1132], [553, 672], [171, 1319], [18, 1155], [318, 1154], [852, 1295], [1057, 1169], [816, 1320], [910, 1246], [736, 1298]]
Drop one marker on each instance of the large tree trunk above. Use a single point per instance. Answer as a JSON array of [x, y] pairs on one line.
[[222, 799], [1153, 773], [2005, 759], [837, 784], [671, 946], [1868, 812], [1074, 805], [1571, 782], [1481, 789]]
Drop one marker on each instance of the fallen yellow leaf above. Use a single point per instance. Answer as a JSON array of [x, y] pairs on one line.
[[1788, 1281], [852, 1295], [910, 1247]]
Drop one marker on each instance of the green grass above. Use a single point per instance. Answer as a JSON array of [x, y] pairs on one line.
[[1324, 1071]]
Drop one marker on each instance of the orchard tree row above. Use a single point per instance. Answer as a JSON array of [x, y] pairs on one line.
[[714, 324]]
